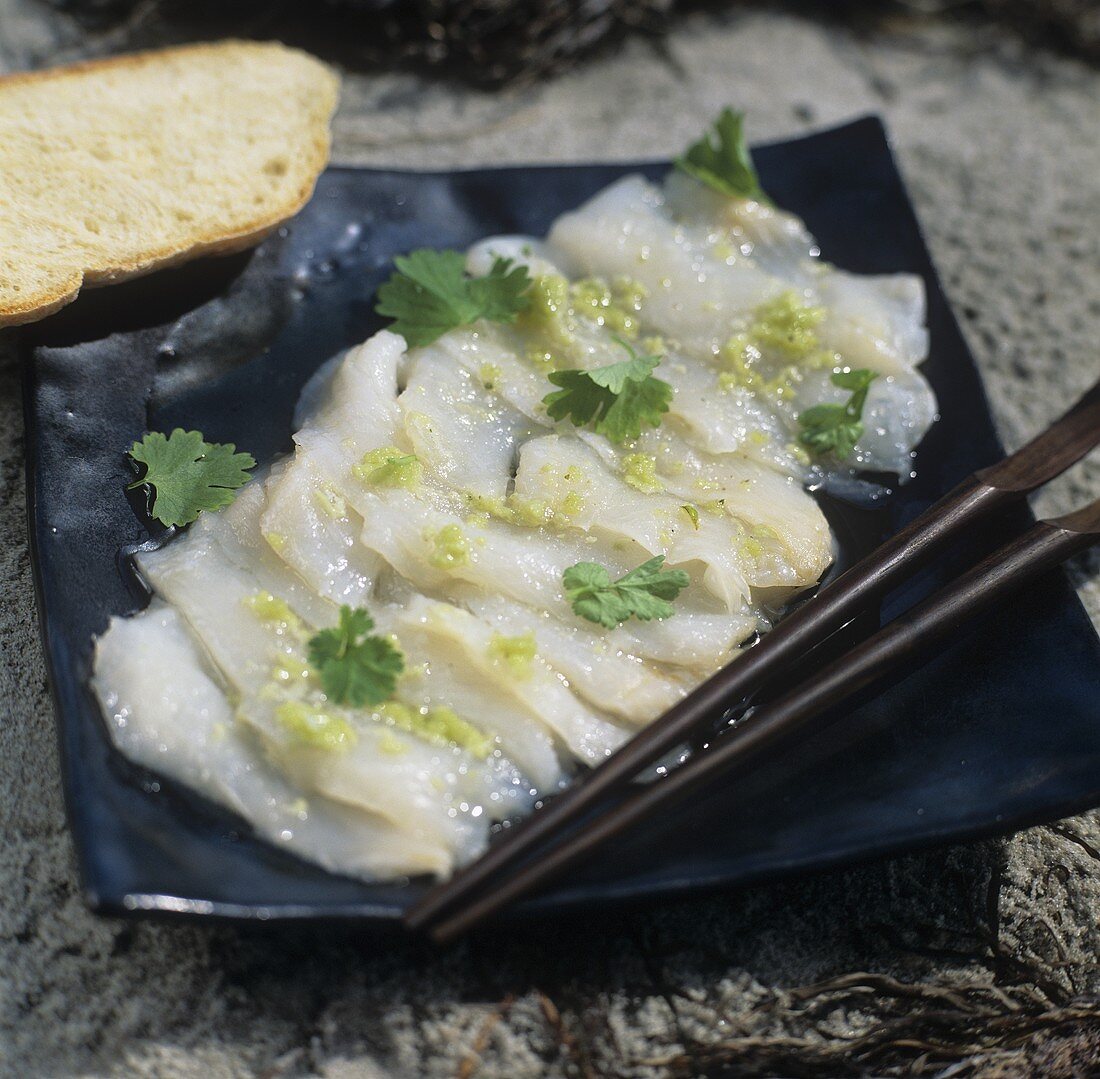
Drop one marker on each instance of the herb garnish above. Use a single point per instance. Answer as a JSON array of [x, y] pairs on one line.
[[355, 668], [837, 428], [431, 293], [621, 397], [724, 164], [188, 475], [644, 592]]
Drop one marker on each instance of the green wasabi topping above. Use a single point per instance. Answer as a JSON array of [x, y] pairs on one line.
[[548, 304], [486, 506], [548, 298], [750, 543], [527, 512], [798, 453], [489, 374], [555, 305], [787, 324], [446, 724], [449, 547], [439, 725], [542, 358], [566, 502], [330, 501], [291, 669], [616, 305], [516, 652], [275, 540], [640, 471], [590, 292], [784, 326], [389, 467], [398, 715], [571, 504], [548, 322], [271, 609], [391, 745], [749, 547], [319, 730]]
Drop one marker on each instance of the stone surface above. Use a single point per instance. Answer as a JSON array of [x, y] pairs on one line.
[[990, 947]]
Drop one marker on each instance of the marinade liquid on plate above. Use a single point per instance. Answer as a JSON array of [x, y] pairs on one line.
[[431, 487]]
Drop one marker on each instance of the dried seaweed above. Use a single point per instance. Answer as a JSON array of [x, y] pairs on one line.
[[922, 1029], [1073, 24], [1001, 1017], [484, 42], [494, 42]]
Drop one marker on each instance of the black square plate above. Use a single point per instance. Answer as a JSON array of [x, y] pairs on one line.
[[999, 730]]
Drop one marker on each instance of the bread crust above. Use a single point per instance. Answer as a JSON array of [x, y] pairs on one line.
[[209, 241]]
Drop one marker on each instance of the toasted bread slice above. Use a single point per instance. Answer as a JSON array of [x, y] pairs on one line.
[[112, 168]]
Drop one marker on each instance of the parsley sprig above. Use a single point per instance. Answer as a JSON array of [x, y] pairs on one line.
[[431, 293], [618, 399], [721, 160], [355, 667], [837, 428], [643, 593], [187, 474]]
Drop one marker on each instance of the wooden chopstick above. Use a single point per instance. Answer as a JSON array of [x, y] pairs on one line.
[[1040, 549], [1064, 443]]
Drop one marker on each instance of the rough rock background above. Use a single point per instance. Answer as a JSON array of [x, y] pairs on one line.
[[977, 960]]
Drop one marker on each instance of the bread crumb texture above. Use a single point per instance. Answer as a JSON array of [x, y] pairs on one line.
[[116, 167]]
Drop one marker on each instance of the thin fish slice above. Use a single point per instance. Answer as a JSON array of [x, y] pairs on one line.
[[358, 409], [467, 435], [413, 537], [698, 297], [166, 713], [604, 675], [260, 652], [532, 686], [309, 523], [555, 468]]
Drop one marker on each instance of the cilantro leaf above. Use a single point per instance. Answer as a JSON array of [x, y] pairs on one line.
[[355, 668], [643, 593], [188, 475], [837, 428], [431, 293], [501, 293], [589, 589], [621, 397], [724, 164]]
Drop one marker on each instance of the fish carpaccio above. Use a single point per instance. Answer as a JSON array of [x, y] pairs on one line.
[[429, 486]]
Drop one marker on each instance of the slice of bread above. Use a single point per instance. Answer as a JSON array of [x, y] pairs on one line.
[[113, 168]]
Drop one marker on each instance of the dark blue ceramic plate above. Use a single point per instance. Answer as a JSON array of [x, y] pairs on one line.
[[999, 730]]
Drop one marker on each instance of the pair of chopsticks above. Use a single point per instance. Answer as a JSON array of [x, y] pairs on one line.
[[542, 847]]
